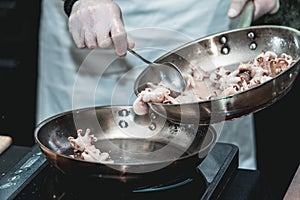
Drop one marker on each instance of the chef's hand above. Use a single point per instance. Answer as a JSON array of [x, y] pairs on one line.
[[262, 7], [98, 23]]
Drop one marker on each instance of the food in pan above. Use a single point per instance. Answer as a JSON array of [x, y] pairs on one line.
[[84, 149], [201, 86]]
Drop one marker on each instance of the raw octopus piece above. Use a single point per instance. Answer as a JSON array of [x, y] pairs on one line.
[[85, 150]]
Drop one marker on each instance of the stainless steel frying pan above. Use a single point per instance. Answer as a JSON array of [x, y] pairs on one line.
[[145, 149], [229, 49]]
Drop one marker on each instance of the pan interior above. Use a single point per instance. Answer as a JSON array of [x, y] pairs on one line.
[[138, 151], [228, 50], [169, 142]]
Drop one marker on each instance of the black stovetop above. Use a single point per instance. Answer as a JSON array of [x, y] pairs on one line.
[[34, 178]]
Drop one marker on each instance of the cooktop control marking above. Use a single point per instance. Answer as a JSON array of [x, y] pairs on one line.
[[25, 170]]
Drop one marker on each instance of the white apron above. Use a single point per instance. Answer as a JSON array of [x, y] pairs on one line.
[[71, 78]]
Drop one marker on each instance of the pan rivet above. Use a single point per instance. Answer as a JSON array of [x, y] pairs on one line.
[[152, 116], [253, 46], [123, 113], [251, 35], [152, 126], [223, 40], [225, 50], [123, 124]]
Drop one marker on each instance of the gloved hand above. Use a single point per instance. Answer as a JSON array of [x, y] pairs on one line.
[[98, 23], [262, 7]]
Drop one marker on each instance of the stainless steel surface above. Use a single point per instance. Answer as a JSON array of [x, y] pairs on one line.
[[229, 49], [145, 148], [165, 72]]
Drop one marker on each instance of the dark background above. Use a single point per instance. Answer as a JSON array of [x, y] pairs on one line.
[[19, 22], [276, 126]]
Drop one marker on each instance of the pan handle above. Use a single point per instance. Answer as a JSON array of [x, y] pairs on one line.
[[245, 18]]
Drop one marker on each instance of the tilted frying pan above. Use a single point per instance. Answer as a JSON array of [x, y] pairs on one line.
[[229, 49]]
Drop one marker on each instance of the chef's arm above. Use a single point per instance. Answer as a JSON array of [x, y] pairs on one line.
[[261, 7], [97, 24]]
